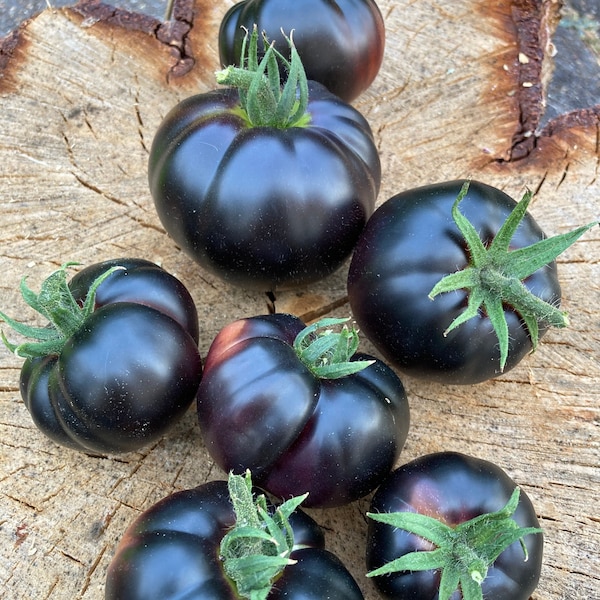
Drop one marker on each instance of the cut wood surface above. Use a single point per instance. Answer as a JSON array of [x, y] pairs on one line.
[[82, 91]]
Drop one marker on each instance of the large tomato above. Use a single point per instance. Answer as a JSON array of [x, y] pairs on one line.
[[265, 201], [455, 282], [446, 521], [118, 364], [179, 549]]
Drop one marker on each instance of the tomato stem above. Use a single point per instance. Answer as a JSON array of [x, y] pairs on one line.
[[494, 277], [264, 100], [464, 553], [55, 302], [328, 353], [258, 547]]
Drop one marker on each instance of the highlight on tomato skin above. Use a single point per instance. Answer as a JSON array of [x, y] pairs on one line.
[[448, 517], [341, 43]]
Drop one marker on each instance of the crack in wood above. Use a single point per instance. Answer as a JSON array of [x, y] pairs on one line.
[[52, 587], [138, 116], [71, 557], [23, 502], [97, 190], [92, 568], [533, 21]]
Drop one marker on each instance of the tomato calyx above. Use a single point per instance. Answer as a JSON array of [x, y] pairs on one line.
[[495, 275], [327, 353], [462, 554], [265, 102], [55, 302], [258, 547]]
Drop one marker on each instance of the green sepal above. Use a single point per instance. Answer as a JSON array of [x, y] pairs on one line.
[[463, 554], [265, 102], [327, 353], [494, 277], [257, 549], [56, 303]]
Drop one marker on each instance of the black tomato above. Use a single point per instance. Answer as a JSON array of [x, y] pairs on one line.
[[296, 427], [410, 243], [175, 550], [120, 363], [475, 509], [341, 43], [262, 198]]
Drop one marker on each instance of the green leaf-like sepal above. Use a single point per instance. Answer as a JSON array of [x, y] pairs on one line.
[[265, 102], [327, 353], [257, 549], [56, 303], [463, 554], [494, 277]]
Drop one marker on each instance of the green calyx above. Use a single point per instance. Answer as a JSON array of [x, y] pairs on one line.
[[463, 554], [55, 302], [265, 102], [327, 353], [258, 547], [495, 275]]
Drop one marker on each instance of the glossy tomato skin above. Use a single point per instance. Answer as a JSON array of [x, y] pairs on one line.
[[172, 551], [409, 244], [263, 207], [260, 408], [341, 43], [453, 488], [125, 377]]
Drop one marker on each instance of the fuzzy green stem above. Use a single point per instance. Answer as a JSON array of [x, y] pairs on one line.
[[494, 277], [328, 353], [265, 102], [56, 303], [258, 547]]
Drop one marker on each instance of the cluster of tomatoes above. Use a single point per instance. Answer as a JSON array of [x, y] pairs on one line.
[[271, 183]]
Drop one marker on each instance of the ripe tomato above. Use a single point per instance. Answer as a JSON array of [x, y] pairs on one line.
[[497, 269], [448, 515], [262, 198], [341, 43], [176, 549], [119, 364], [294, 424]]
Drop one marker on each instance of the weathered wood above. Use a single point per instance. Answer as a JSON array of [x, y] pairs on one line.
[[82, 91]]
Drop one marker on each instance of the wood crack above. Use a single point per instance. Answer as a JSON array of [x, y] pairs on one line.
[[97, 190]]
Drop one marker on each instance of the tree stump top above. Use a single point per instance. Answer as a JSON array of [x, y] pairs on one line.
[[460, 94]]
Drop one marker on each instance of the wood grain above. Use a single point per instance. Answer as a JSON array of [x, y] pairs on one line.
[[82, 91]]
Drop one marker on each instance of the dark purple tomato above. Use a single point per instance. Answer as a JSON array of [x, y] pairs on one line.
[[261, 408], [264, 207], [128, 372], [341, 43], [410, 243], [452, 488], [172, 551]]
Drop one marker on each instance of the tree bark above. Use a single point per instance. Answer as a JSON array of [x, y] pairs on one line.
[[460, 94]]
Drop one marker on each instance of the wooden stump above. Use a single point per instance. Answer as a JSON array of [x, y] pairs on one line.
[[460, 94]]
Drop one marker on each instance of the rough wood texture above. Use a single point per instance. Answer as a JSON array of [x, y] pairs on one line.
[[82, 91]]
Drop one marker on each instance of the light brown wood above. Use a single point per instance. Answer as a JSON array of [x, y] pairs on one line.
[[82, 92]]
